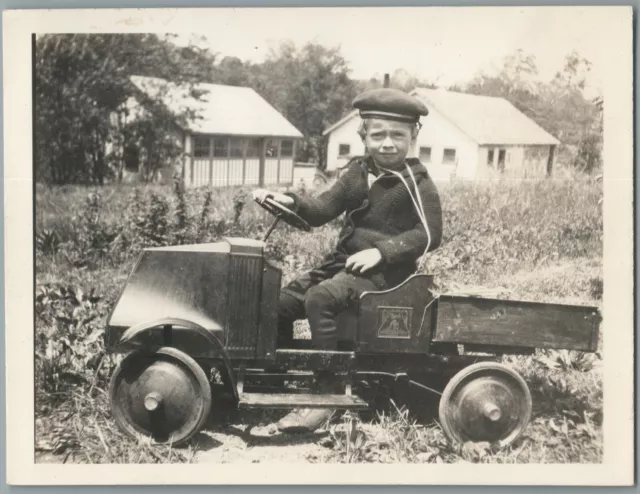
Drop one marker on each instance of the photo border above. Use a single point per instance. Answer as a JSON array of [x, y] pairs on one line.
[[617, 300]]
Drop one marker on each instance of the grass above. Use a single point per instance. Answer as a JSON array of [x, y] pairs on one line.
[[537, 240], [80, 430]]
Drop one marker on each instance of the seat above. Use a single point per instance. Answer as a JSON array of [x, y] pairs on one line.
[[396, 320]]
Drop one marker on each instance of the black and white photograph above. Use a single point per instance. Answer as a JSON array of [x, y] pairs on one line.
[[321, 237]]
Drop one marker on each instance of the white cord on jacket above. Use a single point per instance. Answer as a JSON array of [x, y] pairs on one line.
[[417, 202]]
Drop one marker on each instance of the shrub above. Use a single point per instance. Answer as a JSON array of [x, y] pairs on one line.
[[69, 348]]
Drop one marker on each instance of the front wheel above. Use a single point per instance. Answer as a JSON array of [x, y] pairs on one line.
[[486, 401], [163, 395]]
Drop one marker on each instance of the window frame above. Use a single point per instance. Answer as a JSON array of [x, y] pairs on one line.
[[430, 148], [455, 156], [195, 147], [241, 147], [226, 147], [340, 153], [491, 152], [249, 141], [280, 154], [277, 147]]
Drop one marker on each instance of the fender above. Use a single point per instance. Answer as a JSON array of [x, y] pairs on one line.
[[134, 331]]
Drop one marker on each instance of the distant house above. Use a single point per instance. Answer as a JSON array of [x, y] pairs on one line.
[[464, 136], [237, 139]]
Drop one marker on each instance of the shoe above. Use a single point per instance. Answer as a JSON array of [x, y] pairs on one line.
[[304, 420]]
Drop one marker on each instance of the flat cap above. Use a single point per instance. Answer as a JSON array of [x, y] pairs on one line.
[[390, 104]]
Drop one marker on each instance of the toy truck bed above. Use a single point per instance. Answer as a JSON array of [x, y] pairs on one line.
[[471, 320]]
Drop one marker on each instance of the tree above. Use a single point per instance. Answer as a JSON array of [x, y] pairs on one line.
[[514, 81], [153, 138], [576, 120], [232, 71], [81, 83], [559, 106], [311, 87]]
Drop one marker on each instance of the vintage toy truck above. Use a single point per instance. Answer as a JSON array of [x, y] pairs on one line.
[[191, 308]]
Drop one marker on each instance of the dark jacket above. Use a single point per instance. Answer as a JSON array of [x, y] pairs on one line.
[[383, 217]]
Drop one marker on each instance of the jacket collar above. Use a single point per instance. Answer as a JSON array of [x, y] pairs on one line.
[[414, 163]]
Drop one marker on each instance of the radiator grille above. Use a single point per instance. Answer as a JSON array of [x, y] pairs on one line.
[[245, 282]]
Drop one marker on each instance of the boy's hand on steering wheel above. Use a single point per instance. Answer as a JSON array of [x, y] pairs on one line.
[[363, 260], [261, 194]]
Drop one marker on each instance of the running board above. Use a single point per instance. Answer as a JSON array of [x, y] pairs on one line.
[[315, 359], [290, 400]]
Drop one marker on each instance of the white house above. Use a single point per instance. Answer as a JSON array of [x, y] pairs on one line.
[[237, 139], [464, 136]]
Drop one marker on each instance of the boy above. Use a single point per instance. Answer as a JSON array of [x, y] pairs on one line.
[[388, 227]]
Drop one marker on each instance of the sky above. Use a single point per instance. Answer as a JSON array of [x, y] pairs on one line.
[[441, 45]]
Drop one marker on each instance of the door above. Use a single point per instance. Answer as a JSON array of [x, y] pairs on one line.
[[502, 154], [552, 150]]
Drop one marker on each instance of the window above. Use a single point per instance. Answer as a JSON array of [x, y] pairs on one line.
[[221, 147], [344, 150], [501, 158], [449, 157], [235, 147], [201, 147], [490, 155], [272, 148], [425, 155], [253, 148], [286, 149]]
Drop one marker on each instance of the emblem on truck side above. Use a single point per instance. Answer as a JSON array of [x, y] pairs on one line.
[[394, 322]]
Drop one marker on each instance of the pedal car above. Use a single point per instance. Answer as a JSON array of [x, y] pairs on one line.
[[188, 309]]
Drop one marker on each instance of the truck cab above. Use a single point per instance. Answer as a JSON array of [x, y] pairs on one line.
[[228, 288]]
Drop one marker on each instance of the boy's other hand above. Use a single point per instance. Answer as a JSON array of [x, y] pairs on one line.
[[363, 260], [261, 194]]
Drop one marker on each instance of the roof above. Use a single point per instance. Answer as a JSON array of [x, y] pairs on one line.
[[344, 119], [485, 119], [229, 110]]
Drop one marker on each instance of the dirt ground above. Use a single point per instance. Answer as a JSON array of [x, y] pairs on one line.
[[261, 442], [251, 436], [245, 444]]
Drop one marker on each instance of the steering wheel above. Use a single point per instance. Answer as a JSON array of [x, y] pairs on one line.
[[284, 213]]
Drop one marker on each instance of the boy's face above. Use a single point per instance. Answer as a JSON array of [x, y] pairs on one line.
[[389, 142]]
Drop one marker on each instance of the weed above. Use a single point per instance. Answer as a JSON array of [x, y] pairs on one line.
[[47, 241], [568, 360], [538, 240], [203, 219], [181, 212]]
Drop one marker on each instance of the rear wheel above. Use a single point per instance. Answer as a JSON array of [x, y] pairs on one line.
[[486, 401], [163, 395]]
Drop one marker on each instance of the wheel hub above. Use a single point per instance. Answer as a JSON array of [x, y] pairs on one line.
[[153, 401]]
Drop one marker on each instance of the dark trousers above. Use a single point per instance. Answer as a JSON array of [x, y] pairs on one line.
[[319, 295]]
